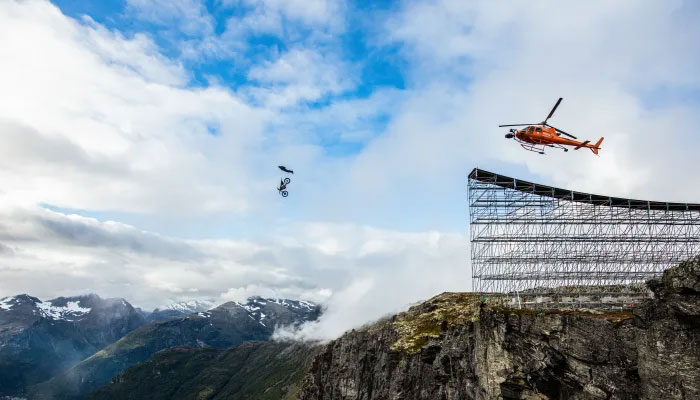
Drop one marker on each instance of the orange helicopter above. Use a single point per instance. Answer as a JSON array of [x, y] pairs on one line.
[[535, 137]]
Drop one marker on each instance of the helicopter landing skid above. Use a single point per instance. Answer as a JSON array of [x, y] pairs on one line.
[[539, 148], [535, 148]]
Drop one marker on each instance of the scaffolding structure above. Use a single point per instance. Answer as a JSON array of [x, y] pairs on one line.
[[552, 245]]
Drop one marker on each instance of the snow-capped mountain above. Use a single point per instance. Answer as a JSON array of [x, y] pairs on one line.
[[39, 338], [264, 310], [192, 306], [227, 325], [68, 309], [255, 307], [180, 309]]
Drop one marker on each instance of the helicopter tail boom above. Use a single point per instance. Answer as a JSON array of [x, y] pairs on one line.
[[582, 145], [596, 146]]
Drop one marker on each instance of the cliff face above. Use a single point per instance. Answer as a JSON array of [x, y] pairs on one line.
[[451, 347], [668, 343]]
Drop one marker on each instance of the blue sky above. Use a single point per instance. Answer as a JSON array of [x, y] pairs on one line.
[[379, 65], [374, 66], [139, 139], [356, 38]]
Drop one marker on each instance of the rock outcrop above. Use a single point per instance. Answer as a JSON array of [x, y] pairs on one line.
[[668, 341], [454, 348]]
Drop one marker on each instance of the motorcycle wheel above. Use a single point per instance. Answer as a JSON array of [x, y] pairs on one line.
[[287, 180], [284, 193]]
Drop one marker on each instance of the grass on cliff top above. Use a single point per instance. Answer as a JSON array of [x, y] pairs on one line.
[[423, 322]]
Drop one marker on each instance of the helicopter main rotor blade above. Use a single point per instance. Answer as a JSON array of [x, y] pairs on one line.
[[552, 112], [562, 132], [501, 126]]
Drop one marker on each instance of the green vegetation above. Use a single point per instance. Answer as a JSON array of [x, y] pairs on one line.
[[420, 324], [426, 321], [255, 370]]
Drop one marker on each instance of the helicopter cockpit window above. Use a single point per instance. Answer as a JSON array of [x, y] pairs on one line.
[[530, 129], [539, 129]]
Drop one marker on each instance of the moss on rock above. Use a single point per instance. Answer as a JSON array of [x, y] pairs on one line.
[[417, 326]]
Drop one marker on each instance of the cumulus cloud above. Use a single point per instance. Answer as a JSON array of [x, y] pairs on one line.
[[345, 267], [190, 17], [93, 120], [384, 272], [474, 66], [300, 75], [313, 23], [321, 14]]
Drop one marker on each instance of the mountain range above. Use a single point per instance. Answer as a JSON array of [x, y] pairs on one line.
[[66, 347], [179, 309], [41, 338]]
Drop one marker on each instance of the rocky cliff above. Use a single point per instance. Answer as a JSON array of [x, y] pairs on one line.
[[453, 347]]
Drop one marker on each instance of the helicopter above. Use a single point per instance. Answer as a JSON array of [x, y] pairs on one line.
[[535, 137]]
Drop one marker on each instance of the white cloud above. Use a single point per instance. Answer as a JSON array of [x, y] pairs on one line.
[[311, 22], [474, 66], [321, 14], [342, 266], [191, 17], [382, 273], [96, 121], [300, 75]]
